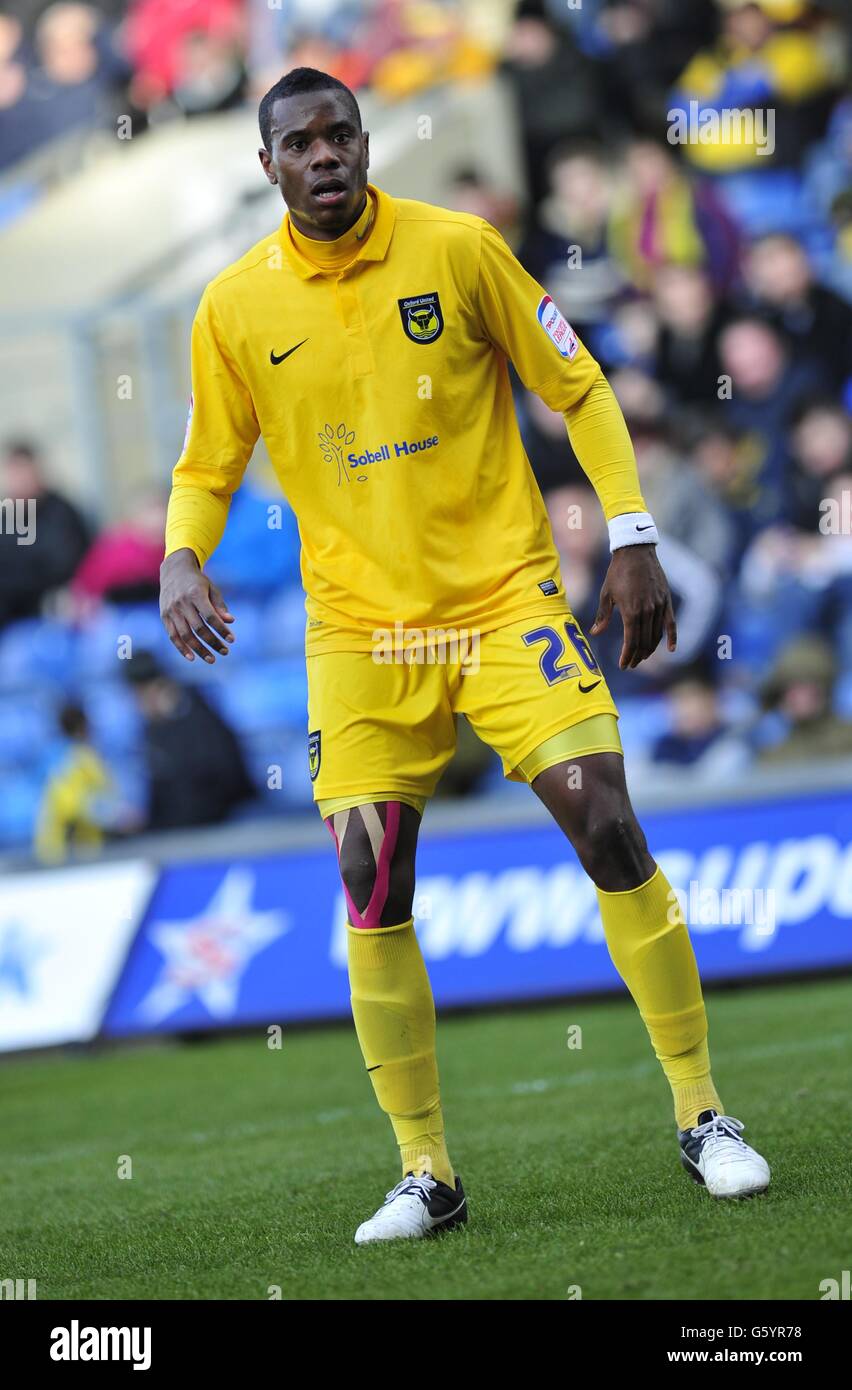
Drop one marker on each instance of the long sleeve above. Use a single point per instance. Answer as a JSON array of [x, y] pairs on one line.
[[600, 439], [222, 431], [521, 319]]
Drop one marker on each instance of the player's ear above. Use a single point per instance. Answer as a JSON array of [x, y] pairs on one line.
[[266, 160]]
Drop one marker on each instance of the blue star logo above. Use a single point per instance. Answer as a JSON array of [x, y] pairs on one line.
[[206, 956]]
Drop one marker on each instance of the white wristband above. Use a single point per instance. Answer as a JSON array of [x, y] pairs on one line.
[[632, 528]]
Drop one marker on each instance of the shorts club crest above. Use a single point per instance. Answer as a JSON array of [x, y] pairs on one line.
[[422, 317], [314, 753]]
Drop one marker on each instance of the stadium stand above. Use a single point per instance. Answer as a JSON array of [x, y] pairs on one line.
[[714, 288]]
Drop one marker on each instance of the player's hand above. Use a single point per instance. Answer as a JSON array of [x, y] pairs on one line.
[[193, 610], [637, 586]]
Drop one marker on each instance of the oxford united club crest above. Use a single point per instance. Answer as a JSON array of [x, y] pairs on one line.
[[422, 317], [314, 754]]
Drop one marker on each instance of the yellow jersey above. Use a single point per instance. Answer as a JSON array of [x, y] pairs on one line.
[[376, 369]]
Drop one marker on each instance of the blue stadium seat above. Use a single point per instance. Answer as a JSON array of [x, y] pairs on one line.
[[104, 640], [642, 720], [35, 651], [114, 717], [268, 695], [18, 808], [26, 729], [285, 623], [772, 200], [284, 749]]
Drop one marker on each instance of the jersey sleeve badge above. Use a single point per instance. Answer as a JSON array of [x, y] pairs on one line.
[[557, 328]]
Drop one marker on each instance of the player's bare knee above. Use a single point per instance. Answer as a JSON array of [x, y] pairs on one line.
[[612, 847]]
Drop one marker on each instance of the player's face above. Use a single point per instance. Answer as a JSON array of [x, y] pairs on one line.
[[319, 160]]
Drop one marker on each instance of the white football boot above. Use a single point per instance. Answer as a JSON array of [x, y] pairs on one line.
[[714, 1154], [417, 1206]]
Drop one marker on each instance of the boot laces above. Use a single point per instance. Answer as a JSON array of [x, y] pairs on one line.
[[723, 1132], [413, 1186]]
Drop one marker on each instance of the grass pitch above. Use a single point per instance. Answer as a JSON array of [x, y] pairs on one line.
[[252, 1167]]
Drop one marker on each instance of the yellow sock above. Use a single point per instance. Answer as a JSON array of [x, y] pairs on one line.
[[394, 1015], [651, 950]]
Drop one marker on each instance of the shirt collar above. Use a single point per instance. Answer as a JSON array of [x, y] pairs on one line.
[[374, 248]]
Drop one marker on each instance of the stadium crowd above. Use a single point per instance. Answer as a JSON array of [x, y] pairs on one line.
[[711, 278]]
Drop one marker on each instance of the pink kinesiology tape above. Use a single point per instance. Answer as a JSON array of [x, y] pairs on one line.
[[383, 840]]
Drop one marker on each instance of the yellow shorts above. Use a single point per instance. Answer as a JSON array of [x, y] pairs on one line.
[[382, 724]]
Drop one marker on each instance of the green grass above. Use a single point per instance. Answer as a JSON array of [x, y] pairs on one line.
[[252, 1167]]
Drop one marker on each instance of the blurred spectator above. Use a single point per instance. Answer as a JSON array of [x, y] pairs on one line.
[[122, 565], [666, 217], [765, 60], [682, 504], [196, 771], [567, 248], [800, 689], [822, 449], [468, 192], [644, 47], [640, 396], [631, 336], [162, 41], [799, 581], [699, 738], [729, 461], [767, 384], [580, 535], [418, 44], [276, 31], [546, 443], [212, 74], [70, 80], [42, 539], [16, 137], [71, 816], [554, 86], [687, 355], [817, 321]]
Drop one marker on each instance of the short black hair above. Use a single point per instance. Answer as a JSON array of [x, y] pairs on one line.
[[294, 84]]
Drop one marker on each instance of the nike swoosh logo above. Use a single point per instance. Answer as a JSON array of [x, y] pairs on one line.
[[276, 361], [638, 528], [586, 688], [378, 1064], [439, 1220]]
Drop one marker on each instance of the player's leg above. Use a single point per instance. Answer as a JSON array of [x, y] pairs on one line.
[[553, 721], [394, 1012], [392, 1003], [361, 715], [650, 947], [644, 926]]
